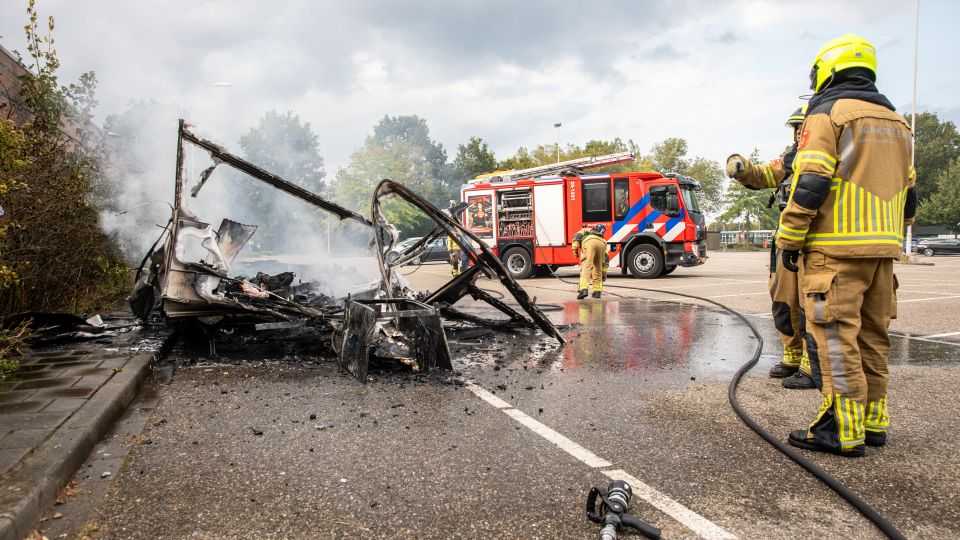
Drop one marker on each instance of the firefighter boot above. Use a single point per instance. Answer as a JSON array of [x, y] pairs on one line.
[[801, 380], [838, 429], [877, 422], [582, 294], [876, 438], [788, 365], [596, 294], [798, 381]]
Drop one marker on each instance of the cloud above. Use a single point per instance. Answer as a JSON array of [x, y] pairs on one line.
[[726, 38], [664, 51], [501, 70]]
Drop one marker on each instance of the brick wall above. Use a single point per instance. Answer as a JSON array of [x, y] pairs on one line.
[[11, 105]]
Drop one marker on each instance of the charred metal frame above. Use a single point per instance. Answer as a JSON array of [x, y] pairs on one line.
[[391, 324], [484, 261], [182, 294]]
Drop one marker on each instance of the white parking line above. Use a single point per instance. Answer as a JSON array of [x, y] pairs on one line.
[[688, 518], [928, 299], [739, 294], [897, 334], [705, 528], [713, 284], [585, 456]]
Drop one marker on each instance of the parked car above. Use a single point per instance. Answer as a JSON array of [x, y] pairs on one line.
[[435, 251], [939, 246]]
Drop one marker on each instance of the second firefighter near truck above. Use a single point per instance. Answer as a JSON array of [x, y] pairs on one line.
[[591, 249], [851, 195], [794, 366]]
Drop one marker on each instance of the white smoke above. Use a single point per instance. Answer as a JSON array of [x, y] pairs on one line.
[[303, 239]]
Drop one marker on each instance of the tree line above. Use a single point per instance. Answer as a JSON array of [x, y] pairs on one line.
[[54, 189]]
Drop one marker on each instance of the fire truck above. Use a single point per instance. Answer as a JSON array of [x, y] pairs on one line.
[[529, 216]]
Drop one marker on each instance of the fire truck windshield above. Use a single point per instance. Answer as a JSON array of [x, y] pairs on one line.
[[690, 199]]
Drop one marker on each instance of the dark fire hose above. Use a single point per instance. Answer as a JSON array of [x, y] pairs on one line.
[[868, 511]]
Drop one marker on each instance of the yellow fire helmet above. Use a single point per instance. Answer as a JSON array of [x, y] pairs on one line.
[[797, 117], [844, 52]]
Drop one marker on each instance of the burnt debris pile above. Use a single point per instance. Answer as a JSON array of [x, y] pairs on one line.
[[186, 275]]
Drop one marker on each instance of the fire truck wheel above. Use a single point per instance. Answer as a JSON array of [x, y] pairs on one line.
[[518, 262], [645, 261], [669, 268]]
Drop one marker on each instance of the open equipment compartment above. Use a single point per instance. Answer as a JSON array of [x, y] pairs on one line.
[[515, 213]]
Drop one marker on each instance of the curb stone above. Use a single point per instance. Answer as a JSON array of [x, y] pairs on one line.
[[34, 485]]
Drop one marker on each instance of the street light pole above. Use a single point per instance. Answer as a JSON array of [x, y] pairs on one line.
[[218, 84], [908, 248], [557, 125]]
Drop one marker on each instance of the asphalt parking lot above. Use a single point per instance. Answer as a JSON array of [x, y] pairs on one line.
[[288, 447]]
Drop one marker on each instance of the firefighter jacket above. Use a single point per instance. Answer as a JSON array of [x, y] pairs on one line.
[[452, 244], [581, 237], [852, 190], [766, 176], [776, 174]]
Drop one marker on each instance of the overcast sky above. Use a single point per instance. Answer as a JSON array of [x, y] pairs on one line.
[[723, 75]]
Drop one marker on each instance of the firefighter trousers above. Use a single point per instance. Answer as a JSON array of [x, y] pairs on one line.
[[591, 264], [456, 265], [784, 287], [848, 304]]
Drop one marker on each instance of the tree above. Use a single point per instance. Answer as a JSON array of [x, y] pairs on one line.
[[710, 175], [671, 156], [667, 156], [748, 206], [399, 149], [287, 147], [937, 145], [546, 154], [943, 208], [472, 160], [53, 253]]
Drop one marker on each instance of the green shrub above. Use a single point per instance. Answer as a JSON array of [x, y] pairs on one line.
[[53, 254]]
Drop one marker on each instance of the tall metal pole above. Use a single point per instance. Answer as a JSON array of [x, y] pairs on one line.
[[218, 84], [908, 248], [557, 125]]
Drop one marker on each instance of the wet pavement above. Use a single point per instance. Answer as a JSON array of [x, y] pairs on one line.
[[53, 410], [273, 441], [45, 391]]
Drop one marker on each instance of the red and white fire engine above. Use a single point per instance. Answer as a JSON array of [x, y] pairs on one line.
[[529, 216]]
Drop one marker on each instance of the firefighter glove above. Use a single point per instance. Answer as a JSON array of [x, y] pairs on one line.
[[790, 258], [736, 164]]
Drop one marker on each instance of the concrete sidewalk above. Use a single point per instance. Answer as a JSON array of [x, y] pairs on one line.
[[54, 410]]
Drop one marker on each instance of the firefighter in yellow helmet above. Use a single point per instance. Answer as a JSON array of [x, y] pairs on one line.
[[455, 254], [794, 367], [851, 196], [590, 249]]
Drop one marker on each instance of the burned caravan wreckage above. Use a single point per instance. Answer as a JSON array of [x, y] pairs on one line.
[[384, 321]]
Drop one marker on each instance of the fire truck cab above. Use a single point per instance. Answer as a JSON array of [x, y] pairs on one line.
[[653, 221]]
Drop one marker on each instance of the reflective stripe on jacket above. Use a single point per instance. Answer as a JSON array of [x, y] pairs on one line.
[[852, 188], [766, 176]]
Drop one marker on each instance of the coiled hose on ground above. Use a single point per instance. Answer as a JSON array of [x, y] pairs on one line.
[[868, 511]]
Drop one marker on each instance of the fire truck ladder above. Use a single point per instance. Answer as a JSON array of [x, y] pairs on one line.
[[572, 166]]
